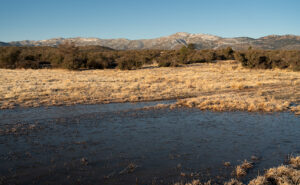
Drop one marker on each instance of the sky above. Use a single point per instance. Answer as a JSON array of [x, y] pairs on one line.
[[137, 19]]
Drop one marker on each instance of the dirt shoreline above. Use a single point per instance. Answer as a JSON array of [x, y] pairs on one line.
[[221, 86]]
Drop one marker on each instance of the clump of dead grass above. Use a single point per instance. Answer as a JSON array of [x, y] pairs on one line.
[[282, 175], [158, 106], [295, 162], [296, 109], [194, 182], [241, 170], [227, 164], [129, 169], [233, 182], [237, 101]]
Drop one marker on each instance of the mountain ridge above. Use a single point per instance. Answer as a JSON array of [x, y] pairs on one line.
[[174, 41]]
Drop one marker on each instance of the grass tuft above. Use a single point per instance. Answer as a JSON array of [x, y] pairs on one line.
[[241, 170]]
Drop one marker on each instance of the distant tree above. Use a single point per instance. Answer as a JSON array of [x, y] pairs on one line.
[[129, 62], [71, 56], [229, 53], [97, 61], [9, 56], [183, 54]]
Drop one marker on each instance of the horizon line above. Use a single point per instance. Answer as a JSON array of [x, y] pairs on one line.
[[288, 34]]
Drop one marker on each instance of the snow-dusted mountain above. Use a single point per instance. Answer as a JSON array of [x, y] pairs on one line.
[[202, 41]]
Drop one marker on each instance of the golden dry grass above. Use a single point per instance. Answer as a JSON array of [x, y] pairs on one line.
[[233, 182], [241, 170], [295, 162], [282, 175], [216, 86], [194, 182]]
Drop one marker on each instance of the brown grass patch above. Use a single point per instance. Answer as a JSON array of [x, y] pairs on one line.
[[194, 182], [296, 109], [227, 164], [295, 162], [233, 182], [241, 170], [282, 175]]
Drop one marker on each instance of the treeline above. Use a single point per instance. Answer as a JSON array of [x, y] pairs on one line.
[[269, 59], [188, 55], [69, 56]]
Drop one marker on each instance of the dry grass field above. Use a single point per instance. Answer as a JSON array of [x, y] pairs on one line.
[[215, 86]]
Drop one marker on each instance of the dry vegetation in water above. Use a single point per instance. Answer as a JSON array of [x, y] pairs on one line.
[[241, 170], [217, 86], [295, 162], [282, 175]]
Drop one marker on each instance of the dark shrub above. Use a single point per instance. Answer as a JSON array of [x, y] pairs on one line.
[[44, 64], [9, 56], [27, 64], [241, 58], [72, 57], [263, 59], [228, 53], [210, 55], [72, 62], [164, 64], [29, 57], [96, 61], [169, 59], [128, 63]]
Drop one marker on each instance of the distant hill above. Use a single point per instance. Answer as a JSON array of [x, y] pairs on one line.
[[175, 41], [92, 48], [4, 44]]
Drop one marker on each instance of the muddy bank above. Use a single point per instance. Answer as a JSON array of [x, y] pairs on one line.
[[122, 144]]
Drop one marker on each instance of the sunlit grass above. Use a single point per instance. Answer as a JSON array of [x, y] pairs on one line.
[[215, 86]]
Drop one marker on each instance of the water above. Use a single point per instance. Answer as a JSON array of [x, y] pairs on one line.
[[95, 144]]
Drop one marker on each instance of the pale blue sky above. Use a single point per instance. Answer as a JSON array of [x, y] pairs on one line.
[[136, 19]]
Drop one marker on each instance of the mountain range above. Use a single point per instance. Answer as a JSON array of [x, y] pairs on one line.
[[175, 41]]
